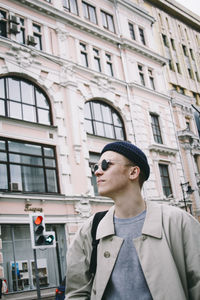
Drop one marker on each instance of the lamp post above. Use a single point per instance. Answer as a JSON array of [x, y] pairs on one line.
[[189, 191]]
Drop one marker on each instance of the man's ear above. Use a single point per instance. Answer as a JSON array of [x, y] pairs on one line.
[[134, 172]]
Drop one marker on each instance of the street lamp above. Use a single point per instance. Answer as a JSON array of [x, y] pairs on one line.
[[189, 191]]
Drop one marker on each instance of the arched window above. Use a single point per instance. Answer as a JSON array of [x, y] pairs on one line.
[[21, 99], [102, 120]]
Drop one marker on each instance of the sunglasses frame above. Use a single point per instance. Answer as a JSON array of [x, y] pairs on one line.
[[104, 165]]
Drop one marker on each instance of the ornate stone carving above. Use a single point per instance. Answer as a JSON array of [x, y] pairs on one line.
[[83, 207]]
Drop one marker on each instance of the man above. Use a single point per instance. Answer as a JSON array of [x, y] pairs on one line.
[[146, 250]]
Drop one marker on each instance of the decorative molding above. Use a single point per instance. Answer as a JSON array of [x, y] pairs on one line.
[[162, 149], [77, 153], [83, 207], [144, 50], [188, 137]]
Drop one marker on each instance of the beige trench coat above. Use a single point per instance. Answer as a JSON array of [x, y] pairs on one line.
[[168, 250]]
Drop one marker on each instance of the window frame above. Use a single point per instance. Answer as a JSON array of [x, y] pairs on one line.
[[109, 64], [155, 125], [67, 4], [84, 54], [142, 35], [167, 188], [37, 35], [101, 124], [131, 30], [141, 74], [88, 7], [106, 18], [165, 40], [23, 160], [34, 108], [4, 21], [97, 59], [22, 32], [151, 79]]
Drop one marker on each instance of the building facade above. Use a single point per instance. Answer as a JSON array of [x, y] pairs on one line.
[[75, 75]]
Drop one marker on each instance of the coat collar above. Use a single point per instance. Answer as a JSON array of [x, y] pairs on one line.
[[152, 224]]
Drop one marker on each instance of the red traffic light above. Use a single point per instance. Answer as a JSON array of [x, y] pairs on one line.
[[38, 220]]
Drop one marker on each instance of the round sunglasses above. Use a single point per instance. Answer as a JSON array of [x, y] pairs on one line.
[[104, 165]]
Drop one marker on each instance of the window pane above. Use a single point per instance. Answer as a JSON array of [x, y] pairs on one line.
[[119, 133], [24, 148], [2, 89], [3, 178], [97, 65], [97, 112], [99, 128], [92, 14], [85, 11], [14, 110], [16, 175], [87, 111], [41, 100], [20, 37], [104, 21], [2, 145], [106, 112], [116, 119], [73, 7], [38, 40], [109, 131], [27, 92], [109, 69], [25, 159], [49, 152], [43, 116], [3, 28], [14, 89], [51, 181], [88, 126], [29, 113], [66, 3], [110, 23], [33, 179], [84, 60], [2, 108], [50, 162], [3, 157]]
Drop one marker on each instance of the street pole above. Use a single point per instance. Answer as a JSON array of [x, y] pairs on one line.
[[37, 276]]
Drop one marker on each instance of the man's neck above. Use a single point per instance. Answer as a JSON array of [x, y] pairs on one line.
[[129, 207]]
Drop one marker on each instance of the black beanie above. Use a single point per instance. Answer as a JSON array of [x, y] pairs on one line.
[[131, 152]]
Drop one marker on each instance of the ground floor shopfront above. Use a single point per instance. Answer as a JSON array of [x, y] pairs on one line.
[[18, 258], [63, 215]]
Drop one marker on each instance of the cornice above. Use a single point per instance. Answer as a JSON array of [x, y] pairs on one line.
[[162, 149], [187, 136], [178, 11], [144, 51], [137, 9], [148, 90], [95, 30]]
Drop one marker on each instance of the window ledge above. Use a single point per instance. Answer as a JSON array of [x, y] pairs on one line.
[[31, 124]]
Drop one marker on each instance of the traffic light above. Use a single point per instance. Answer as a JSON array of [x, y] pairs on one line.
[[40, 238]]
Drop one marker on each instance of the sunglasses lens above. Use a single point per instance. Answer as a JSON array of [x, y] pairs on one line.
[[96, 167], [104, 165]]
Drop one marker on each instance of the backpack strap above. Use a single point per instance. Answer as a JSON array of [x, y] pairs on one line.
[[93, 261]]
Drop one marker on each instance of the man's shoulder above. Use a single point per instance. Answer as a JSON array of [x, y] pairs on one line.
[[176, 215]]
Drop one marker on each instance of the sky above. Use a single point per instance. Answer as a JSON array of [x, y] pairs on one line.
[[193, 5]]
